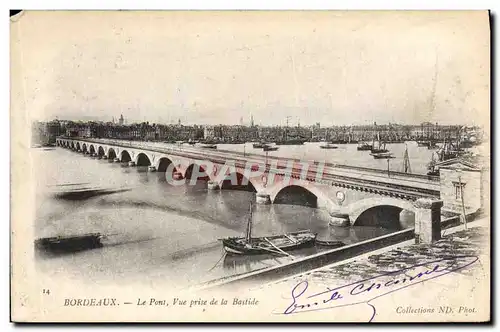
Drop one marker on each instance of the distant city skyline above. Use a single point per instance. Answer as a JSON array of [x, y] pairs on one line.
[[107, 119], [336, 68]]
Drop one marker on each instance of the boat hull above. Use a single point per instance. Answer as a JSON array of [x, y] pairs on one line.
[[259, 246], [379, 150], [290, 142], [382, 156], [69, 244], [330, 243]]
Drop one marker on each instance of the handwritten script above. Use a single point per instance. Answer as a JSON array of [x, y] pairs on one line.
[[370, 289]]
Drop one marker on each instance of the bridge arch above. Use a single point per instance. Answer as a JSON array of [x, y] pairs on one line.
[[111, 154], [84, 147], [203, 175], [379, 211], [125, 156], [92, 149], [237, 181], [299, 195], [142, 159], [100, 151], [77, 146], [72, 144], [162, 164]]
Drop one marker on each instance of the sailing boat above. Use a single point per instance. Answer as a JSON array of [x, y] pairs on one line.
[[328, 144], [433, 170], [286, 140], [430, 141], [406, 161], [380, 148], [275, 244], [363, 146]]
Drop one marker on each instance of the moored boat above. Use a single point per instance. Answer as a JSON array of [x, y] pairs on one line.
[[259, 145], [270, 148], [291, 141], [379, 147], [62, 244], [328, 146], [274, 244], [423, 143], [377, 151], [209, 146], [430, 144], [382, 155], [330, 243], [365, 147]]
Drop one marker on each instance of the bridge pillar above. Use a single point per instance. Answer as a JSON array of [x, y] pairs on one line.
[[262, 198], [212, 185], [339, 219], [427, 220]]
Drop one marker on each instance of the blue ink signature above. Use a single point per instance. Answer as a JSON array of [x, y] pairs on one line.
[[370, 289]]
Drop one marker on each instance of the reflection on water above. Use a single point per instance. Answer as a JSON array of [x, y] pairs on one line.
[[160, 231]]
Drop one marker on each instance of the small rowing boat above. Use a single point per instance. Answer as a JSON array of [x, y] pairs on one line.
[[330, 243]]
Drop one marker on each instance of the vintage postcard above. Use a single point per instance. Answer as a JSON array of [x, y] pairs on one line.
[[250, 166]]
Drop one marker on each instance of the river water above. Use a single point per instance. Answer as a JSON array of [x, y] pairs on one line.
[[169, 234]]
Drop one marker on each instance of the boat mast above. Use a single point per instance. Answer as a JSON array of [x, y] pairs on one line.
[[432, 164], [433, 97], [286, 128], [373, 135], [406, 161], [249, 226]]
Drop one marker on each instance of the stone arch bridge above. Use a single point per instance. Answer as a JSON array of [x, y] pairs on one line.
[[352, 195]]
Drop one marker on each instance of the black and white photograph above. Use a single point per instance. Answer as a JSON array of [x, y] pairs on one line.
[[250, 166]]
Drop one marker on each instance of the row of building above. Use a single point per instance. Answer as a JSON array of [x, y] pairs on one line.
[[46, 132]]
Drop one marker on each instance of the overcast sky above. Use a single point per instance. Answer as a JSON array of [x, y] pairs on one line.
[[201, 67]]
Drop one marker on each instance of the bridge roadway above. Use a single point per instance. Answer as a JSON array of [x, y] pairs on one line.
[[413, 185]]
